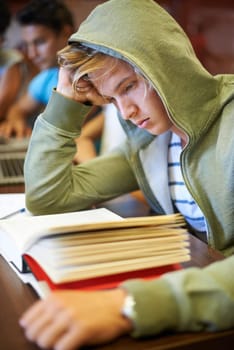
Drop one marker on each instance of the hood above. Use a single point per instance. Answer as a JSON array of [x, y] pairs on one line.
[[144, 34]]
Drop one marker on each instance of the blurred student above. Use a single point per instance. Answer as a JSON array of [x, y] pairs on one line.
[[45, 28], [99, 135], [15, 72]]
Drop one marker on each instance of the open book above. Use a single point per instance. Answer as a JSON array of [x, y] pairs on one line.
[[18, 234], [94, 245]]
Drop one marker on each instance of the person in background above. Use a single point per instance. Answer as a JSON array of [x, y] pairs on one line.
[[15, 71], [179, 151], [45, 28], [99, 135]]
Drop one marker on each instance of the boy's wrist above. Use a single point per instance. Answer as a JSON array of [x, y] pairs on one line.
[[128, 309], [121, 301]]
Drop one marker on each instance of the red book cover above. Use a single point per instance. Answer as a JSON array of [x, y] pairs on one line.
[[103, 282]]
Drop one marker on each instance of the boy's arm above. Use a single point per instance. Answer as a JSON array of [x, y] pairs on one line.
[[188, 300], [53, 183]]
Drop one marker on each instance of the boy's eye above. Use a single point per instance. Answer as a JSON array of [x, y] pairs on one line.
[[129, 86]]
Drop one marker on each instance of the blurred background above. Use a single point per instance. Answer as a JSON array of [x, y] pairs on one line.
[[209, 24]]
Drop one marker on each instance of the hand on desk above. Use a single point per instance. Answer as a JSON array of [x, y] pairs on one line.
[[67, 320], [17, 127]]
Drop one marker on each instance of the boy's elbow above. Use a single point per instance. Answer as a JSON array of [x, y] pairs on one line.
[[32, 206], [36, 206]]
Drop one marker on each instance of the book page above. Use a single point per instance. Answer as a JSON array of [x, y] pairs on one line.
[[25, 230], [11, 203], [40, 287], [168, 221]]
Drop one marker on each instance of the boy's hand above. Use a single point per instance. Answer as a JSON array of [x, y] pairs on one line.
[[68, 320], [85, 91]]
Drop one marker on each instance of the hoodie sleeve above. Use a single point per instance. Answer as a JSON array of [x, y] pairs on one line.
[[188, 300], [52, 183]]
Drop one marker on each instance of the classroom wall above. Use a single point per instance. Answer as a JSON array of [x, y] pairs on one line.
[[209, 24], [81, 8]]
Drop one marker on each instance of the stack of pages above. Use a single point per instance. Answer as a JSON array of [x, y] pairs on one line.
[[70, 250]]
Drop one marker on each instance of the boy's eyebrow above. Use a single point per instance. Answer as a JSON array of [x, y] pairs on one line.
[[116, 88], [120, 83]]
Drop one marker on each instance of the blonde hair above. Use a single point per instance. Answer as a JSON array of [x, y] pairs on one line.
[[81, 61]]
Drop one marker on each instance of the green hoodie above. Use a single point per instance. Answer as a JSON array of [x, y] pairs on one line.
[[156, 44], [142, 33]]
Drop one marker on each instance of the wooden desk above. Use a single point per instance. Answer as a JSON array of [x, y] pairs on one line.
[[12, 188], [15, 298]]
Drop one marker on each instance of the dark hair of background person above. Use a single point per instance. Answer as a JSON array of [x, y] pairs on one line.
[[50, 13], [5, 17]]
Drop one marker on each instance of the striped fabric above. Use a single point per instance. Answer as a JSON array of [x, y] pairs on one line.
[[181, 197]]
